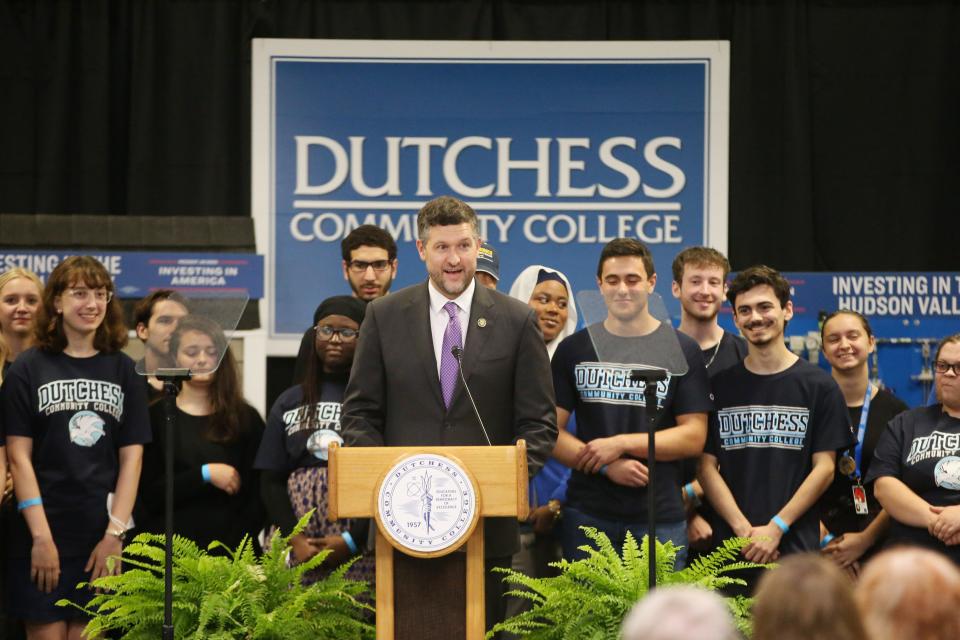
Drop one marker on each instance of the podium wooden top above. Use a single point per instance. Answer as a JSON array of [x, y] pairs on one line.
[[355, 474]]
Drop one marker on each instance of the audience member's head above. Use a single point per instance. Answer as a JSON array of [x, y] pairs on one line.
[[679, 613], [806, 598], [488, 266], [910, 593], [369, 261]]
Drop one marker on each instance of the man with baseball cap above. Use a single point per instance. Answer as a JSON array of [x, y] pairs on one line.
[[488, 266]]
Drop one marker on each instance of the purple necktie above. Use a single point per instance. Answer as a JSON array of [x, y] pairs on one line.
[[448, 363]]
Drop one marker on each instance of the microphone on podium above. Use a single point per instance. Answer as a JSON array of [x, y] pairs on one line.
[[457, 353]]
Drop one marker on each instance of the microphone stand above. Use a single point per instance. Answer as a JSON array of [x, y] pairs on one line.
[[457, 353], [172, 379], [650, 378]]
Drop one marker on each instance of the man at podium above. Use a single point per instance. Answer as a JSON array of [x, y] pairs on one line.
[[406, 389]]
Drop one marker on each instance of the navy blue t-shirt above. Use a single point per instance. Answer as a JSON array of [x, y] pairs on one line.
[[839, 513], [921, 448], [764, 433], [292, 440], [79, 412], [729, 351], [608, 403]]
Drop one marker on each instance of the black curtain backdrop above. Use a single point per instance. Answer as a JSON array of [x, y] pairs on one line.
[[844, 128]]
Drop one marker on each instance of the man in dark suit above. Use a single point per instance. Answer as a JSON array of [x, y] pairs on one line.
[[404, 387]]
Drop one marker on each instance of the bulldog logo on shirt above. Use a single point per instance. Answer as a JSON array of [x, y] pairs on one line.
[[86, 428], [947, 473]]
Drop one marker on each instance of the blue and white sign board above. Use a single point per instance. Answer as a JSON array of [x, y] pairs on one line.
[[559, 146], [137, 273]]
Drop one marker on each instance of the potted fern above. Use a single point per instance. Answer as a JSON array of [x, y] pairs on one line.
[[236, 595], [590, 597]]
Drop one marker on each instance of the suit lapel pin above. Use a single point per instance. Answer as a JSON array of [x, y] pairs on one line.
[[481, 322]]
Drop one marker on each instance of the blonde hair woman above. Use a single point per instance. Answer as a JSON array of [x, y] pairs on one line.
[[20, 295]]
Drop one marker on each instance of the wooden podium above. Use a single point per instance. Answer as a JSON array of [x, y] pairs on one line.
[[360, 488]]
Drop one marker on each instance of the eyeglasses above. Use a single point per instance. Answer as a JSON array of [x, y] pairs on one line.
[[83, 295], [325, 332], [942, 366], [359, 266]]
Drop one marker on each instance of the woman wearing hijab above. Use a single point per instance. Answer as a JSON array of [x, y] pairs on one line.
[[548, 292]]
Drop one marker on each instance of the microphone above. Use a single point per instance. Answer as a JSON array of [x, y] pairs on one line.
[[458, 353]]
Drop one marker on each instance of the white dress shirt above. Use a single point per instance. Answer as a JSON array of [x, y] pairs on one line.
[[439, 317]]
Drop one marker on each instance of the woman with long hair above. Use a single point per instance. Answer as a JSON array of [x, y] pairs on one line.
[[301, 425], [853, 520], [20, 294], [215, 441], [76, 419]]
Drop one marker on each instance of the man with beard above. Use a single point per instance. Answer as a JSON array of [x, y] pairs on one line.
[[700, 283], [405, 389], [369, 266], [369, 261], [779, 421], [607, 489]]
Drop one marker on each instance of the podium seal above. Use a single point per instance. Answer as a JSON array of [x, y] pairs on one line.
[[427, 505]]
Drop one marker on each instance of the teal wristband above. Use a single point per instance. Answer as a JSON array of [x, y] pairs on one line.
[[603, 470], [826, 540], [781, 524], [32, 502], [349, 540], [205, 472], [691, 495]]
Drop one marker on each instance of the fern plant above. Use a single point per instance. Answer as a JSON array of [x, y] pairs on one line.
[[231, 596], [591, 596]]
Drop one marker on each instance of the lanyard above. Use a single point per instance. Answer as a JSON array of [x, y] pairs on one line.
[[862, 430]]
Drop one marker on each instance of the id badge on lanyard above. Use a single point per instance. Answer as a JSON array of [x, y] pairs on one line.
[[850, 467]]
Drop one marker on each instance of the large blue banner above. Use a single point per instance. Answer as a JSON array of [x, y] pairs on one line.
[[559, 147]]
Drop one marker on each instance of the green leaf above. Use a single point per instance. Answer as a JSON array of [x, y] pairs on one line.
[[591, 596], [222, 593]]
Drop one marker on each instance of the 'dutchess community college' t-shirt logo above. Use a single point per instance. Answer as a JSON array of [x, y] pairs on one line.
[[79, 395], [325, 423], [611, 384], [763, 427]]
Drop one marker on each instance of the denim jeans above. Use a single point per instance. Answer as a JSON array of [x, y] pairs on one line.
[[573, 536]]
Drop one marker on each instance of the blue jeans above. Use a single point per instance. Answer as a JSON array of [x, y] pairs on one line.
[[573, 536]]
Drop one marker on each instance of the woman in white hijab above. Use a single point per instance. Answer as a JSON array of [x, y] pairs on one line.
[[548, 292]]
